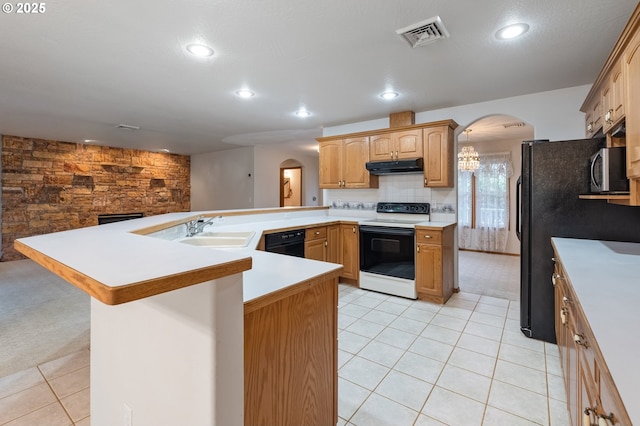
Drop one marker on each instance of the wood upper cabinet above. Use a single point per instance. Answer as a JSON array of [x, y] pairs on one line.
[[612, 98], [434, 264], [631, 73], [396, 145], [342, 164], [438, 157], [593, 117], [350, 251]]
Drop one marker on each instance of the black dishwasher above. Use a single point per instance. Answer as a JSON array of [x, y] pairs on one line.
[[290, 243]]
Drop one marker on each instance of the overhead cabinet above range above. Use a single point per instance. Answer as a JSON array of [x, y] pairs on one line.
[[343, 158]]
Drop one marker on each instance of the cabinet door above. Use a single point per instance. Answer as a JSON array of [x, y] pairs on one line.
[[408, 144], [617, 93], [350, 251], [354, 157], [429, 269], [333, 243], [381, 147], [330, 162], [631, 71], [438, 153], [315, 249]]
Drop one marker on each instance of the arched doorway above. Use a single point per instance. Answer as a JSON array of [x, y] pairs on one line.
[[488, 267], [291, 183]]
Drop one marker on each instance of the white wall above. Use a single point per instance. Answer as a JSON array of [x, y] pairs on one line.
[[267, 175], [222, 180]]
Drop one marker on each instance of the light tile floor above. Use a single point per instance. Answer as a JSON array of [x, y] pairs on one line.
[[404, 362], [52, 394], [401, 362]]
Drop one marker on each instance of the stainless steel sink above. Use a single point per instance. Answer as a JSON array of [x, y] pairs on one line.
[[219, 239]]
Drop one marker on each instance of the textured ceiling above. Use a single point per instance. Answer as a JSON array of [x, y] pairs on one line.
[[85, 66]]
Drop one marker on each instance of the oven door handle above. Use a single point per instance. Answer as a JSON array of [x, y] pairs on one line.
[[387, 230]]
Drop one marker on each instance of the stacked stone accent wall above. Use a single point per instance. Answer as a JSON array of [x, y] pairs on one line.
[[50, 186]]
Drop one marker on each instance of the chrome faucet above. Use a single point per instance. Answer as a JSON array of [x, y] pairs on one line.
[[196, 226]]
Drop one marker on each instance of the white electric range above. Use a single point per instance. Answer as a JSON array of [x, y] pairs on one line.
[[387, 248]]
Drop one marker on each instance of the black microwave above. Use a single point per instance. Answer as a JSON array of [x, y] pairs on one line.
[[609, 171]]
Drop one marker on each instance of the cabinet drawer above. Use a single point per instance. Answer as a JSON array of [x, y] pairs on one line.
[[318, 232], [428, 236]]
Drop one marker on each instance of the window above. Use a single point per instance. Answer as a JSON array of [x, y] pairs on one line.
[[483, 204]]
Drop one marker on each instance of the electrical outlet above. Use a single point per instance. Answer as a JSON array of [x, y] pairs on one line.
[[127, 419]]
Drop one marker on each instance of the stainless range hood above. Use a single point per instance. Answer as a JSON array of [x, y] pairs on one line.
[[392, 167]]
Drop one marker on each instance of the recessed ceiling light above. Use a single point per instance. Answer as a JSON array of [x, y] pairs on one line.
[[389, 95], [303, 113], [164, 150], [200, 50], [89, 140], [512, 31], [245, 93]]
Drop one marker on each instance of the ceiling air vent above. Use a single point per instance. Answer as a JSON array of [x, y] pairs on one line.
[[424, 32]]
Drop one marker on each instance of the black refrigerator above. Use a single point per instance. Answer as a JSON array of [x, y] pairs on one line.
[[554, 174]]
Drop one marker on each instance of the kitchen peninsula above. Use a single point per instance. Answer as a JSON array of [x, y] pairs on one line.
[[167, 319]]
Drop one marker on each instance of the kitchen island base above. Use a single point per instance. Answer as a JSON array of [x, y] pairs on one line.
[[174, 358]]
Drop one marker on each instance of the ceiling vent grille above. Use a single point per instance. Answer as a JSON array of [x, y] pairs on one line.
[[424, 32], [127, 127]]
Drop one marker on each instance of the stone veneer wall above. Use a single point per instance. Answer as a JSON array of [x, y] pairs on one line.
[[50, 186]]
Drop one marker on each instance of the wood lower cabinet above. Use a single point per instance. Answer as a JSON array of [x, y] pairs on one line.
[[290, 356], [315, 243], [342, 164], [333, 244], [350, 252], [434, 263], [592, 398], [438, 157]]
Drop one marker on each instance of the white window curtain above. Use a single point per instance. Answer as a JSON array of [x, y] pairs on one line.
[[490, 194]]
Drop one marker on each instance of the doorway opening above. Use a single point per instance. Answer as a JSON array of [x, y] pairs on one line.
[[290, 186], [488, 248]]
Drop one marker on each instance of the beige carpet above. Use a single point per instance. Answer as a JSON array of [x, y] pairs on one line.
[[42, 317], [495, 275]]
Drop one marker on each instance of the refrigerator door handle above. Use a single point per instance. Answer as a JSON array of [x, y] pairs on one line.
[[518, 208]]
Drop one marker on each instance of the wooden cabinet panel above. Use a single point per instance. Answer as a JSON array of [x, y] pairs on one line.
[[315, 243], [612, 98], [434, 264], [396, 145], [438, 157], [589, 386], [350, 251], [342, 164], [355, 156], [631, 73], [429, 269], [330, 164], [333, 244], [381, 147], [290, 359]]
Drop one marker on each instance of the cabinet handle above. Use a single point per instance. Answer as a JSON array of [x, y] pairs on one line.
[[353, 229], [326, 244], [565, 299], [608, 117], [425, 181], [418, 249], [428, 236], [555, 277], [317, 232], [391, 153], [396, 155], [563, 316], [579, 339], [590, 127]]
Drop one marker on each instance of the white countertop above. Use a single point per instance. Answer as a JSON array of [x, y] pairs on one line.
[[606, 279], [114, 256]]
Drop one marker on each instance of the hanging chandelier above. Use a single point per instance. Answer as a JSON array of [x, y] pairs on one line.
[[468, 159]]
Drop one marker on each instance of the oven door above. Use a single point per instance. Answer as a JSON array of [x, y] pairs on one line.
[[387, 260]]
